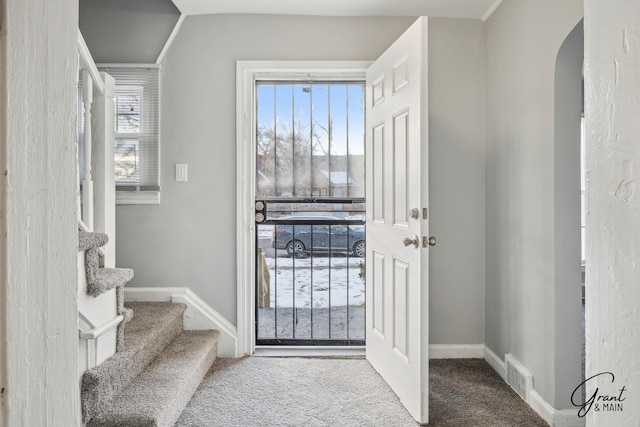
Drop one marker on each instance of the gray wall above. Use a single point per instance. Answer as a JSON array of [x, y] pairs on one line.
[[189, 239], [456, 181], [131, 31], [522, 41], [568, 276]]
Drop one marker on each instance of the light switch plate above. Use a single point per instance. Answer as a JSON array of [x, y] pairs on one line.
[[181, 172]]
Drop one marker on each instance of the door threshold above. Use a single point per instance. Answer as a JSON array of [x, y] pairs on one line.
[[356, 352]]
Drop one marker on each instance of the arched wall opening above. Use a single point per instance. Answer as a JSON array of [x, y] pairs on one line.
[[567, 190]]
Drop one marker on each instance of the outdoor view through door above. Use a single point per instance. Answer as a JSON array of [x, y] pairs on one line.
[[310, 213]]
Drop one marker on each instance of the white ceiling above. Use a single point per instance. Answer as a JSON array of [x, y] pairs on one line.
[[479, 9]]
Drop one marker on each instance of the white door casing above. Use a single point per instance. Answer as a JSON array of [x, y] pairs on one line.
[[397, 173], [247, 73]]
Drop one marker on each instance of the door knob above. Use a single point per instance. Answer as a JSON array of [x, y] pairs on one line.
[[432, 241], [415, 241], [414, 213]]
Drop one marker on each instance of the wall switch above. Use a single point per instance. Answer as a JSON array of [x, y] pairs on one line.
[[181, 172]]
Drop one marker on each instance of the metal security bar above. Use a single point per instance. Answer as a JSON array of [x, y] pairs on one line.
[[310, 264]]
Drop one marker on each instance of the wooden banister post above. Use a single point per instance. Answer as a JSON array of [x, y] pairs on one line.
[[104, 166]]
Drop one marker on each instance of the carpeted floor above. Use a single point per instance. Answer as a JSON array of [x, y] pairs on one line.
[[468, 392], [348, 392]]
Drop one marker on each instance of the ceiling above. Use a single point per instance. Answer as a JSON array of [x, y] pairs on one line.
[[478, 9]]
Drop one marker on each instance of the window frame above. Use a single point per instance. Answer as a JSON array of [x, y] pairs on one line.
[[139, 196]]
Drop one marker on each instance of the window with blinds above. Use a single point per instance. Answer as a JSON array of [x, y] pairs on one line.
[[137, 127]]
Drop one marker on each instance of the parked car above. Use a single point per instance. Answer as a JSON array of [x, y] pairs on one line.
[[298, 240]]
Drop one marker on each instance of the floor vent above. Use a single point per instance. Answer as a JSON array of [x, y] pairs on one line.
[[518, 377]]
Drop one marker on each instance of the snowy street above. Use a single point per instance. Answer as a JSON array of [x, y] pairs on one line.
[[333, 281]]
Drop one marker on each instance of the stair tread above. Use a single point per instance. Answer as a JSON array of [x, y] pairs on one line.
[[107, 279], [90, 240], [154, 325], [160, 393]]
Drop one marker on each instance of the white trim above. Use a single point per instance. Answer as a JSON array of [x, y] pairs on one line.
[[169, 41], [555, 417], [313, 351], [199, 315], [137, 197], [87, 63], [541, 406], [94, 333], [247, 73], [490, 11], [456, 351], [90, 334], [128, 65], [496, 362]]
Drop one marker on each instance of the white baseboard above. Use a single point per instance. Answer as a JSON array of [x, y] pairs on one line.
[[555, 417], [541, 406], [199, 315], [456, 351], [496, 362]]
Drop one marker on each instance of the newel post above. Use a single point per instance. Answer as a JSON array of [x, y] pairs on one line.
[[104, 166]]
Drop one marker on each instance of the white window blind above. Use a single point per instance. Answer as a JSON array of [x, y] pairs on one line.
[[137, 122]]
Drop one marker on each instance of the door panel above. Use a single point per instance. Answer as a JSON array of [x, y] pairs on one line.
[[378, 172], [397, 272], [400, 170], [377, 285]]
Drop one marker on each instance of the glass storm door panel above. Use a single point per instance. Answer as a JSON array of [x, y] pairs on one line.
[[310, 213]]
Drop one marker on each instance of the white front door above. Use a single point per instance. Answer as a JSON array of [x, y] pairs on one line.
[[397, 291]]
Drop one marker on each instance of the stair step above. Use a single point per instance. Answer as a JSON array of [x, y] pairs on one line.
[[154, 325], [90, 240], [108, 278], [160, 393]]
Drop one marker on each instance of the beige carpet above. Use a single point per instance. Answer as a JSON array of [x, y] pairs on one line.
[[348, 392]]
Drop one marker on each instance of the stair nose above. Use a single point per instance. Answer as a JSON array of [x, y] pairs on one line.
[[105, 279], [90, 240], [160, 393], [154, 325]]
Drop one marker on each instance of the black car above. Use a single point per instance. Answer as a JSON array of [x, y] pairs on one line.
[[300, 239]]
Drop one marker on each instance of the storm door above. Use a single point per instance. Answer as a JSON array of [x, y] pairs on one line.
[[310, 213]]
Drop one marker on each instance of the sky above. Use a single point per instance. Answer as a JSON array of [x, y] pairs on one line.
[[317, 103]]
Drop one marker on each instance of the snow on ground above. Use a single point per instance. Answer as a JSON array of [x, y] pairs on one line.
[[333, 281]]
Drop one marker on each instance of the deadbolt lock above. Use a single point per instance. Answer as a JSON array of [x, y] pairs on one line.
[[428, 241]]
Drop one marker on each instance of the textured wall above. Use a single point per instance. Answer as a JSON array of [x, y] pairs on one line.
[[39, 170], [612, 88], [522, 42]]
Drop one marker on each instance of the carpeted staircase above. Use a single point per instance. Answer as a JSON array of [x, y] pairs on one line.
[[101, 280], [157, 366]]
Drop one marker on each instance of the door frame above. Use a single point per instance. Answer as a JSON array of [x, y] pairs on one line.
[[247, 74]]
